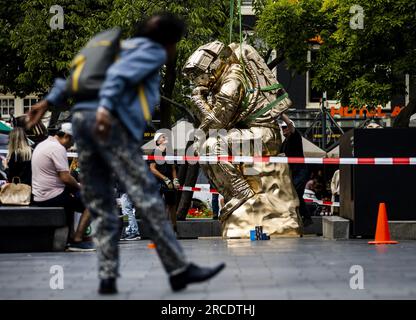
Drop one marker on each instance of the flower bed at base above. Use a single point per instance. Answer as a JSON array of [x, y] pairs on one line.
[[195, 213]]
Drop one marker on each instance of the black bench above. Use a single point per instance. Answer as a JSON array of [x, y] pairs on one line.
[[32, 229]]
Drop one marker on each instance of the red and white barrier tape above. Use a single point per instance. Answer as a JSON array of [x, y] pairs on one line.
[[214, 191], [208, 190], [246, 159], [306, 160], [69, 154], [214, 159], [322, 202]]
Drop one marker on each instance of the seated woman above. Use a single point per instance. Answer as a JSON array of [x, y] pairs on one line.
[[19, 157]]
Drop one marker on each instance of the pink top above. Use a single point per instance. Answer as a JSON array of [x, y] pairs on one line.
[[49, 158]]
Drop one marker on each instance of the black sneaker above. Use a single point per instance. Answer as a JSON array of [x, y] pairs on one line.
[[123, 235], [132, 237], [193, 274], [83, 246], [107, 286]]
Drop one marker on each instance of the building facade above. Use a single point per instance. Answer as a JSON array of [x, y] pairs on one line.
[[12, 105]]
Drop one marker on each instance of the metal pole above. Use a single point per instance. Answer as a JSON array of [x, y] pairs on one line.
[[323, 122]]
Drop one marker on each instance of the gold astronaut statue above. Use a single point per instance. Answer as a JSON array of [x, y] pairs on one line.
[[235, 91]]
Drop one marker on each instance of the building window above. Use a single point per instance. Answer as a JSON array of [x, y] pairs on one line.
[[28, 103], [7, 106]]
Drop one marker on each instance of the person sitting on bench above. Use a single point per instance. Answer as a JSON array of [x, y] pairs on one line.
[[53, 185]]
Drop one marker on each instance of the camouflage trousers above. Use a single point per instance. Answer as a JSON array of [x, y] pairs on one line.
[[120, 158]]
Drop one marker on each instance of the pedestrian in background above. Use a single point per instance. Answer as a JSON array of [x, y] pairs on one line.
[[54, 186], [19, 156], [131, 231], [166, 175], [292, 146], [335, 191]]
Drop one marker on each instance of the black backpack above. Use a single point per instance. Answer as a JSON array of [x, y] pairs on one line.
[[89, 67]]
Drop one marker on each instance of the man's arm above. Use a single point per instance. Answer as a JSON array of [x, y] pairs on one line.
[[56, 97], [289, 122], [174, 172], [69, 180], [156, 172], [60, 160], [176, 183]]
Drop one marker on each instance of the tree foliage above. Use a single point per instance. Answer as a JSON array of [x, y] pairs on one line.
[[364, 66], [35, 54], [46, 53], [11, 61]]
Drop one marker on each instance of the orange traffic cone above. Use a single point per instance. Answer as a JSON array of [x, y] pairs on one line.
[[151, 245], [382, 231]]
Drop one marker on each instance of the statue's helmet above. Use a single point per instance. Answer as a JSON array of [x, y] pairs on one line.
[[205, 61]]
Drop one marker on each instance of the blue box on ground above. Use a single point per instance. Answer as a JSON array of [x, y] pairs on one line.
[[254, 235]]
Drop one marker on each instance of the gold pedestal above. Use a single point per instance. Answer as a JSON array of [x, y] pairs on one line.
[[274, 206]]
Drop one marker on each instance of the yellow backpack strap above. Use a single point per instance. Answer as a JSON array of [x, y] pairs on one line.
[[144, 104], [78, 63]]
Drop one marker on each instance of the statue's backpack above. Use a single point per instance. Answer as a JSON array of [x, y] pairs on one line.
[[266, 96]]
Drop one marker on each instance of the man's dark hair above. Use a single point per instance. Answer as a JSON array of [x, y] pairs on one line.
[[164, 28]]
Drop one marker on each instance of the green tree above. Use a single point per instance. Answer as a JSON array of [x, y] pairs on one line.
[[364, 66], [36, 54], [206, 21], [47, 53], [12, 62]]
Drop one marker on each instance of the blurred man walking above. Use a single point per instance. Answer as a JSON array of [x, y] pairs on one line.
[[108, 133]]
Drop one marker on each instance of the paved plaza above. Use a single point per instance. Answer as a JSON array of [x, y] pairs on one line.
[[304, 268]]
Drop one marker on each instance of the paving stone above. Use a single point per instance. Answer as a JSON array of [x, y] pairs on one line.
[[303, 268]]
